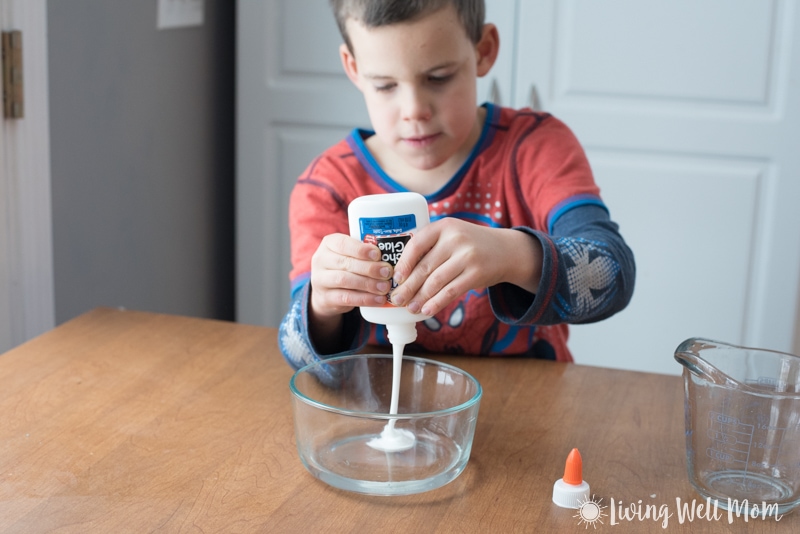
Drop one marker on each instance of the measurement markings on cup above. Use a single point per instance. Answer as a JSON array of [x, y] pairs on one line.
[[731, 439]]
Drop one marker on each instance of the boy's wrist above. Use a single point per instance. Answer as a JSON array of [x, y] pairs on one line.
[[323, 328], [524, 262]]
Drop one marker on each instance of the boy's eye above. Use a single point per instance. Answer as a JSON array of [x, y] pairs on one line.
[[384, 88], [440, 79]]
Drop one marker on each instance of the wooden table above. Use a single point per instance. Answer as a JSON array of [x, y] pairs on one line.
[[123, 421]]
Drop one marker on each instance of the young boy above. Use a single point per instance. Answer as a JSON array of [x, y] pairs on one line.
[[519, 244]]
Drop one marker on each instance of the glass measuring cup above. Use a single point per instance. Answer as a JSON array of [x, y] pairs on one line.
[[742, 425]]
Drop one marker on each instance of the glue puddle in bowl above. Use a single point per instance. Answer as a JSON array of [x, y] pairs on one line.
[[393, 439]]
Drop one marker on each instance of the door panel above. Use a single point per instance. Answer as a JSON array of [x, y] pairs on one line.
[[298, 20], [694, 251], [683, 50], [684, 109]]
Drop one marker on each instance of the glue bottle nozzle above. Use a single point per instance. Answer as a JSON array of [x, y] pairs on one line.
[[573, 470]]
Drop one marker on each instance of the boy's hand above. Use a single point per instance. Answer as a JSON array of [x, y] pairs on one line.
[[346, 273], [449, 257]]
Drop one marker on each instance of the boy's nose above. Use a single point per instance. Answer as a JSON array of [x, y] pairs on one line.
[[416, 106]]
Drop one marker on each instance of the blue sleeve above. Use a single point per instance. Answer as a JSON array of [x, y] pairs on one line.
[[295, 341], [588, 273]]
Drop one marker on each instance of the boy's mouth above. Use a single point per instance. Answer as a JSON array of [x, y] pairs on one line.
[[421, 141]]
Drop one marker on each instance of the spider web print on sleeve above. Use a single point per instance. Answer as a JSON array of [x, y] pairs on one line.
[[293, 343], [591, 273]]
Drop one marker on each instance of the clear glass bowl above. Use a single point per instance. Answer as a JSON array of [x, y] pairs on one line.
[[342, 404]]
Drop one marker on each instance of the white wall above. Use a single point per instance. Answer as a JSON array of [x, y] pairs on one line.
[[142, 129]]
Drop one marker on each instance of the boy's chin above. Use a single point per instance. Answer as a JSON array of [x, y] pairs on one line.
[[425, 160], [425, 164]]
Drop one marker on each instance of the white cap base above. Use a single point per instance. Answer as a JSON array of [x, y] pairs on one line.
[[568, 495]]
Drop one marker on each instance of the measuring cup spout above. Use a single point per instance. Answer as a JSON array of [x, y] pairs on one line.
[[741, 368], [689, 355]]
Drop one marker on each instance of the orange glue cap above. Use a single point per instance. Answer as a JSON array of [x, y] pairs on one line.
[[571, 491]]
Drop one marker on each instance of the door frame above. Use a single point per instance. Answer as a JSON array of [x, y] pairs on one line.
[[27, 303]]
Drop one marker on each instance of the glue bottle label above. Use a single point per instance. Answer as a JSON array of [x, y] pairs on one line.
[[386, 226], [390, 234]]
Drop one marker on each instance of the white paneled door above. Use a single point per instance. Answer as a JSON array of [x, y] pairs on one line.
[[689, 113], [26, 259]]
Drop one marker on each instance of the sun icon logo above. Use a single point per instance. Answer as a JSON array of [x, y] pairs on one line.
[[591, 512]]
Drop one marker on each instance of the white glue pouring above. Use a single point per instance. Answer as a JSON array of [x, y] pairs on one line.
[[396, 439], [388, 221]]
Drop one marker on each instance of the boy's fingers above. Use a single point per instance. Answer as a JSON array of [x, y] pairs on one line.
[[419, 245], [353, 256], [430, 276], [347, 246]]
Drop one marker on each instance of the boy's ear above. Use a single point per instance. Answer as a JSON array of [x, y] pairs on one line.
[[487, 49], [349, 64]]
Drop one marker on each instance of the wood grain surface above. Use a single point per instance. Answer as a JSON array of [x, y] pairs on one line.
[[122, 421]]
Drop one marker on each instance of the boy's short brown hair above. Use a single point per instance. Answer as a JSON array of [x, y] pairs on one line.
[[377, 13]]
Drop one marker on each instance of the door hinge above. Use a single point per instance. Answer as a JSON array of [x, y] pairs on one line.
[[13, 102]]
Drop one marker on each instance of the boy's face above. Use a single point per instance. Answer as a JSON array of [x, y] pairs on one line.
[[419, 83]]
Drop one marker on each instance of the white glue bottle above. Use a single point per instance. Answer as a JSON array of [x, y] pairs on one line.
[[388, 221]]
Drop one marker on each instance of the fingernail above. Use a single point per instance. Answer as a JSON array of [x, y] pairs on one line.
[[426, 310], [398, 278], [380, 299], [413, 307], [383, 286], [398, 300], [385, 272], [375, 255]]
